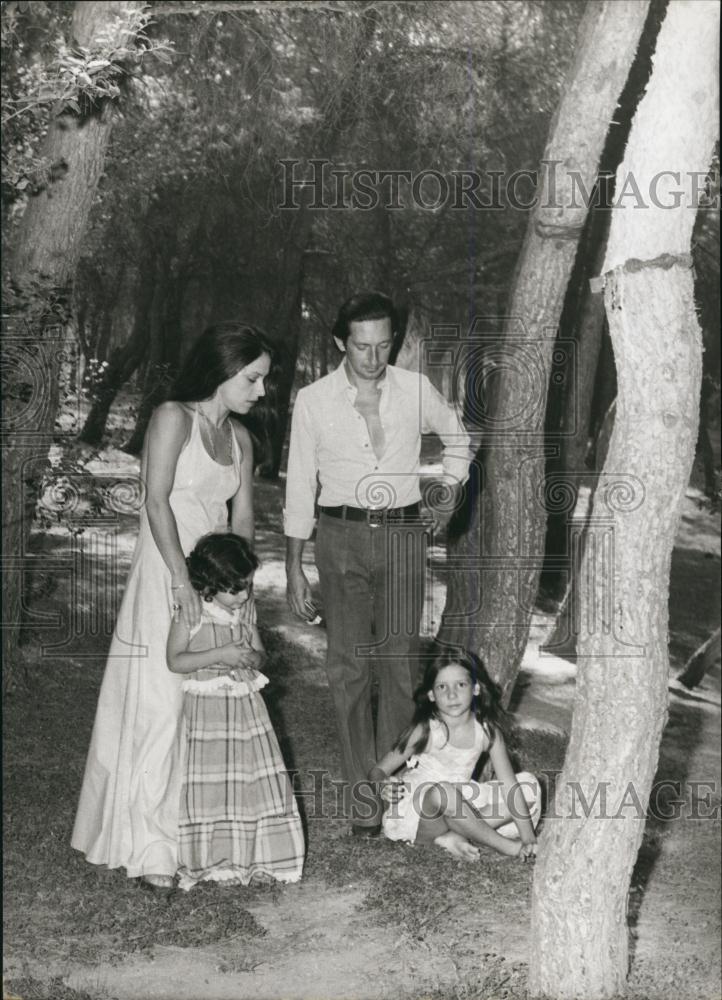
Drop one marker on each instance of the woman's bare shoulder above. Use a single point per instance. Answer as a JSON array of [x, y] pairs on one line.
[[243, 436], [172, 414], [171, 421]]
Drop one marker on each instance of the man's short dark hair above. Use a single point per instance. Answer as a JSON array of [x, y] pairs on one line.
[[365, 305]]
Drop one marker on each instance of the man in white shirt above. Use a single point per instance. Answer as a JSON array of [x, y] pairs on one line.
[[357, 432]]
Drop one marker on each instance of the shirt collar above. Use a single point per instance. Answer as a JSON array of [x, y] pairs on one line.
[[220, 615], [342, 385]]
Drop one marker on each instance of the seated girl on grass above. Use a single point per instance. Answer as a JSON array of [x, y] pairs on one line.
[[238, 816], [433, 799]]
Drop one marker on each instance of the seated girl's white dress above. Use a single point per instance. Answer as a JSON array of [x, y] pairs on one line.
[[238, 814], [441, 762]]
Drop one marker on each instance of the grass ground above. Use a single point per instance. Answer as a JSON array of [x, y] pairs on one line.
[[415, 917]]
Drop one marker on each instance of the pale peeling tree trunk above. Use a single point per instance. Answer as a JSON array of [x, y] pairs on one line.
[[491, 593], [43, 259], [579, 930]]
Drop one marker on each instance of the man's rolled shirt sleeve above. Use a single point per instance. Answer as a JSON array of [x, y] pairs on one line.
[[442, 419], [298, 513]]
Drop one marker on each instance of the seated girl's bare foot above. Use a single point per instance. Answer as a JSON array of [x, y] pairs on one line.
[[518, 850], [159, 881], [457, 845]]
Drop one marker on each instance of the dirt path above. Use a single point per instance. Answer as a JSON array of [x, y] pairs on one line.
[[325, 942], [321, 943]]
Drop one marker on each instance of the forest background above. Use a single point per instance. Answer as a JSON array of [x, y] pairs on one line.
[[422, 130]]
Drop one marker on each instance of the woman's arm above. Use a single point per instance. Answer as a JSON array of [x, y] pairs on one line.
[[242, 518], [167, 433], [516, 802]]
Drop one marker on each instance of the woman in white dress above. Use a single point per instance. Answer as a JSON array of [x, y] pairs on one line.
[[196, 458]]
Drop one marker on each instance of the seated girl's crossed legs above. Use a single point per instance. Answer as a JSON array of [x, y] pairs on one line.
[[459, 816]]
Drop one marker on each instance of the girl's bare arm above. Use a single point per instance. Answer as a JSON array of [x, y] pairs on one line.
[[505, 773], [394, 759], [180, 659]]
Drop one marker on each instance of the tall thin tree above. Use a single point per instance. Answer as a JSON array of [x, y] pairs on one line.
[[495, 564], [579, 930]]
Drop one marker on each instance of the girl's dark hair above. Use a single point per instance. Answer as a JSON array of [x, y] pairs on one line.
[[486, 705], [221, 352], [220, 562]]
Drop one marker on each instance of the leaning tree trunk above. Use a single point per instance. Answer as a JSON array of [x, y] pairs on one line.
[[579, 930], [43, 259], [505, 539]]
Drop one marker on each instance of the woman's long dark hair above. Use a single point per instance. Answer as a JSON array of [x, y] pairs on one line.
[[486, 705], [221, 352]]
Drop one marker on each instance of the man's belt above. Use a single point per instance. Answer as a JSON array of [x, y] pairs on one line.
[[375, 518]]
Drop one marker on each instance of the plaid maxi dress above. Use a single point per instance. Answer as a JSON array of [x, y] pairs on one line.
[[238, 815]]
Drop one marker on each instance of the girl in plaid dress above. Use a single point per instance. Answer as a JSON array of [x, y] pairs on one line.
[[238, 816]]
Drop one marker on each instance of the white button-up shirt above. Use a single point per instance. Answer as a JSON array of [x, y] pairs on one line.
[[330, 444]]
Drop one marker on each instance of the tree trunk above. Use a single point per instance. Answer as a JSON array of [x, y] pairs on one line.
[[568, 468], [43, 259], [563, 641], [286, 324], [504, 542], [579, 931], [124, 360], [163, 350], [340, 114]]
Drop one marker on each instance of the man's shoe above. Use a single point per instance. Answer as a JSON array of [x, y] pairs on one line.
[[361, 830]]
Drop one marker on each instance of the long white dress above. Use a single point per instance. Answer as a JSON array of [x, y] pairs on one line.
[[128, 811]]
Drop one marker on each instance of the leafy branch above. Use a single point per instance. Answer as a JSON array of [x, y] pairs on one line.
[[78, 79]]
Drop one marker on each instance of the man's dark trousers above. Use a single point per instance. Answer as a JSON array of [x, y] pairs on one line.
[[372, 585]]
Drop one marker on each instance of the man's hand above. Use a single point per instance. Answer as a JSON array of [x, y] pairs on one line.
[[299, 595], [438, 514]]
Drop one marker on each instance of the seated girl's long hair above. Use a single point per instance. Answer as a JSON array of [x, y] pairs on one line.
[[486, 706]]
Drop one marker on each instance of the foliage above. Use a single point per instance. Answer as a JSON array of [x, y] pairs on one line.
[[45, 75], [193, 169]]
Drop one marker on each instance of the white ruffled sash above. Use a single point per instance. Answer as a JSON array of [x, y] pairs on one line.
[[226, 685]]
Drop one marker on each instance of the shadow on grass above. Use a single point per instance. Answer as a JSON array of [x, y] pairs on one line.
[[57, 906]]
